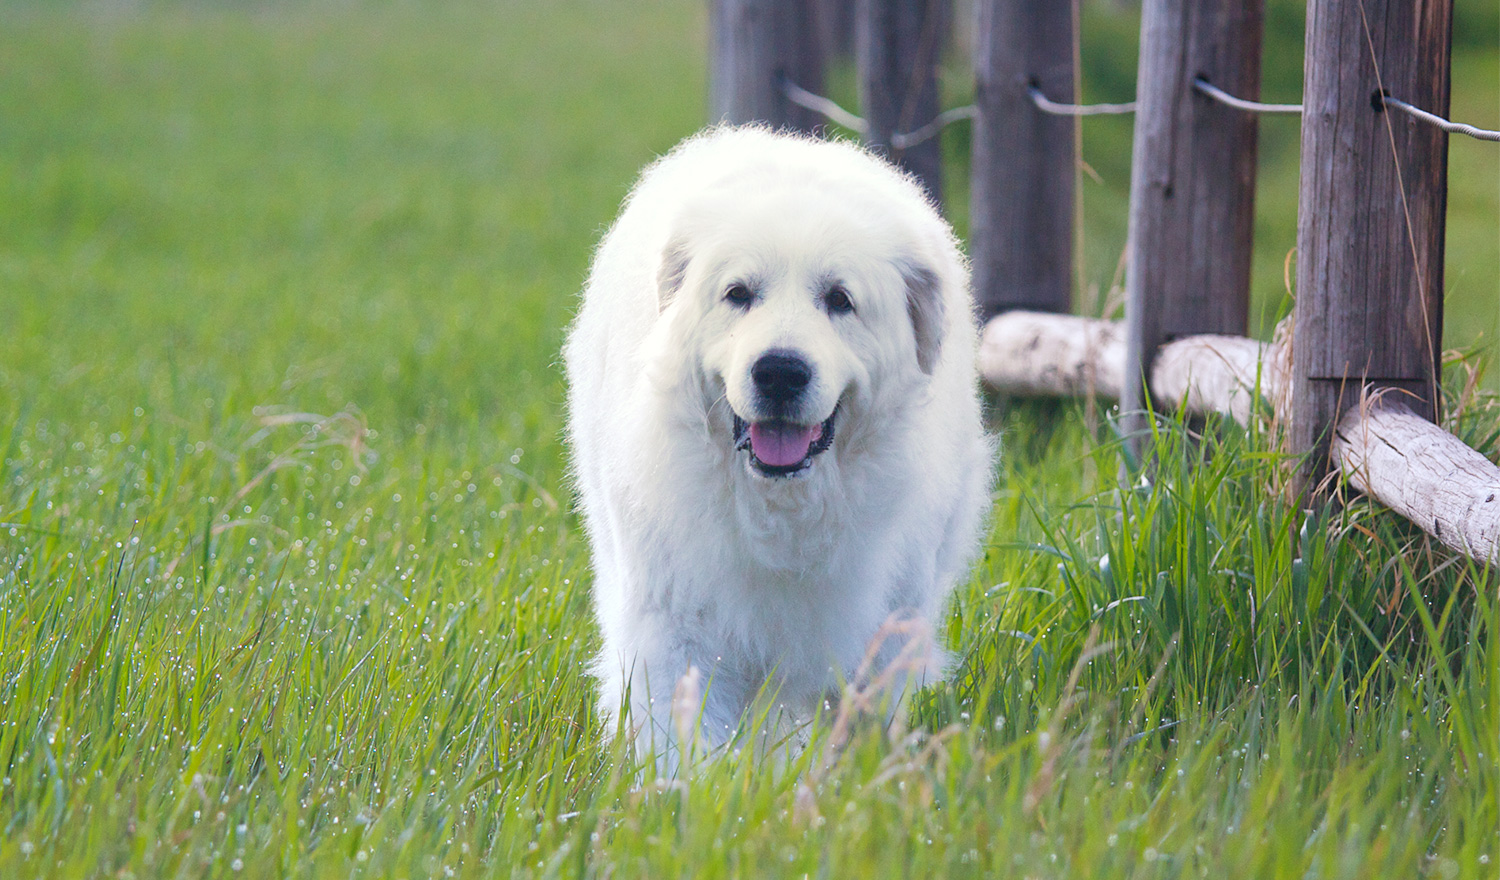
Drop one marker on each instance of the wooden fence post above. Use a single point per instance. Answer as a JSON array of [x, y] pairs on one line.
[[1021, 210], [1192, 185], [1370, 213], [755, 43], [836, 28], [897, 46]]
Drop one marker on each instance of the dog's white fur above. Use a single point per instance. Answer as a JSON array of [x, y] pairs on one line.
[[700, 561]]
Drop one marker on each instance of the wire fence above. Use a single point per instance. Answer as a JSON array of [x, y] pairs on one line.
[[1207, 88], [1195, 100], [831, 111]]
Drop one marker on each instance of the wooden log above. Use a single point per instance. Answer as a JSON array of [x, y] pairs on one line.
[[755, 44], [1383, 448], [1035, 354], [1192, 187], [1370, 215], [1422, 472], [897, 44], [1212, 373], [1021, 207]]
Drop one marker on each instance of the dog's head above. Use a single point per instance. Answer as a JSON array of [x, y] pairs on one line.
[[801, 303]]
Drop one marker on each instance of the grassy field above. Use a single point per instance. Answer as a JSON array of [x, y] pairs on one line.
[[290, 584]]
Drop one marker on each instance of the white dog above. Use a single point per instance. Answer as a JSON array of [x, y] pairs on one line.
[[775, 427]]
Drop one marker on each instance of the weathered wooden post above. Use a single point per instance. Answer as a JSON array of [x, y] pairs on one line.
[[1192, 186], [755, 44], [836, 28], [1021, 210], [1370, 215], [897, 46]]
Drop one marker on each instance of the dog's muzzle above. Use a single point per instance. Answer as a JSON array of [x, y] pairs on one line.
[[781, 449]]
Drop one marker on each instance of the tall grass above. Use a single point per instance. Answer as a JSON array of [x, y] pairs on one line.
[[1153, 683], [290, 584]]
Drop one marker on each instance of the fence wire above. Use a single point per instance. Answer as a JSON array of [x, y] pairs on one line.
[[1205, 87], [906, 140], [1440, 122], [1047, 105], [900, 140], [823, 106]]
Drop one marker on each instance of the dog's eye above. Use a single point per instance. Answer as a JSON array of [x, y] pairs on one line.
[[837, 301], [739, 295]]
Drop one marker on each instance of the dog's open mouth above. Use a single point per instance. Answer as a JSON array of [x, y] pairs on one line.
[[779, 448]]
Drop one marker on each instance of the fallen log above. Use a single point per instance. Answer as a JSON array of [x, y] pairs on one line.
[[1211, 373], [1038, 354], [1423, 473], [1382, 447], [1034, 354]]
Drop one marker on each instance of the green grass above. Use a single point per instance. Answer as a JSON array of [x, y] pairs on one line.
[[290, 584]]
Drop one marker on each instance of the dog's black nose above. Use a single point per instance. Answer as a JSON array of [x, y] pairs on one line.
[[780, 376]]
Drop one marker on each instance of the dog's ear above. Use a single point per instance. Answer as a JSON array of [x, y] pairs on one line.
[[674, 264], [924, 304]]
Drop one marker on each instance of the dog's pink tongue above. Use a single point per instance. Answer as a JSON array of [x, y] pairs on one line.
[[781, 445]]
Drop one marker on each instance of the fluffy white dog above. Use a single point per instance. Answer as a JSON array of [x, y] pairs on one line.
[[775, 427]]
